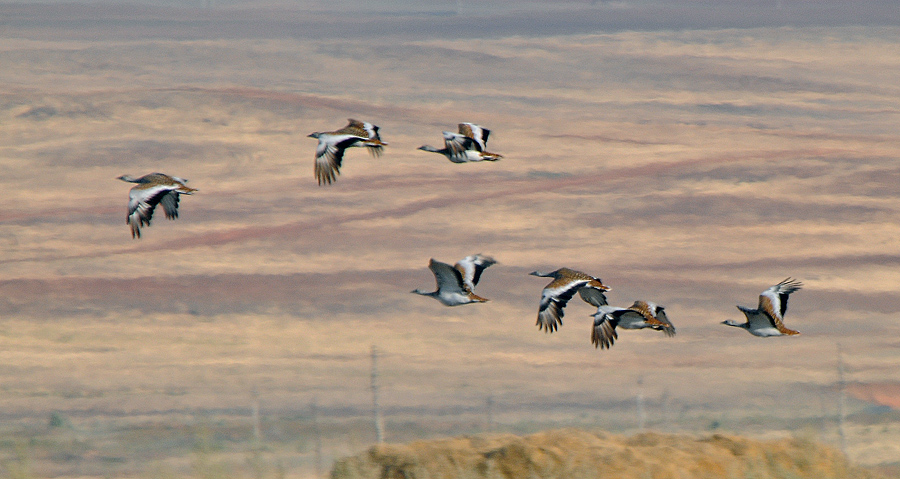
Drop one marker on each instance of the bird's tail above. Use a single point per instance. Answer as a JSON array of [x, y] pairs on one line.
[[488, 156]]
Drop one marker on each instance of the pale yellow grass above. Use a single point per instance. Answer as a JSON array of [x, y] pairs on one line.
[[573, 453]]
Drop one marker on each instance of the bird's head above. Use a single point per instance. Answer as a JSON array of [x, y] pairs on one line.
[[314, 135]]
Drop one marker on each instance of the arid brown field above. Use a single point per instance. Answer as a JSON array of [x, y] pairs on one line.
[[692, 167]]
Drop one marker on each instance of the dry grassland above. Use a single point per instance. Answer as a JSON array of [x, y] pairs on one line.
[[691, 168], [573, 453]]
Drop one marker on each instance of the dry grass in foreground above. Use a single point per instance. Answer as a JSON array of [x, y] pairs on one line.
[[574, 453]]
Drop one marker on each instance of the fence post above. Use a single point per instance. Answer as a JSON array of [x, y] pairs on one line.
[[376, 407], [842, 401]]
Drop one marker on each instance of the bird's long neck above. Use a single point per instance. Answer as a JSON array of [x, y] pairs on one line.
[[551, 274], [731, 322], [430, 148], [425, 293]]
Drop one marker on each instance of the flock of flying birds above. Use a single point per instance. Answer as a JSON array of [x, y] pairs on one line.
[[456, 284]]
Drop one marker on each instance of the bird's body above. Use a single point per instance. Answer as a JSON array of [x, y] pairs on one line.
[[640, 315], [151, 190], [768, 318], [469, 145], [456, 284], [330, 150], [564, 285], [465, 156]]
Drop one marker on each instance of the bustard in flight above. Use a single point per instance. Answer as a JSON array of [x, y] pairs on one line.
[[469, 145], [640, 315], [330, 150], [151, 190], [564, 285], [767, 319], [456, 284]]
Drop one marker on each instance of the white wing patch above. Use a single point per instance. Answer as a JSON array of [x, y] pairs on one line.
[[142, 202], [553, 303], [471, 268]]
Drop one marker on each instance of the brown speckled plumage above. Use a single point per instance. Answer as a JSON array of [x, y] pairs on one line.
[[566, 282], [151, 190]]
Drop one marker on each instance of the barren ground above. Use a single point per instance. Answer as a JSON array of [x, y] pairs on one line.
[[690, 167]]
